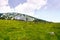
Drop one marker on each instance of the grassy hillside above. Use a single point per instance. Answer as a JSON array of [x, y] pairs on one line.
[[21, 30]]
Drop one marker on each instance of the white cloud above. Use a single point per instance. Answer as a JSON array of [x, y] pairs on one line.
[[3, 2], [30, 6], [4, 7], [26, 8]]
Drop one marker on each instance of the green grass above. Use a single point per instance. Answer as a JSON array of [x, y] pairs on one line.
[[21, 30]]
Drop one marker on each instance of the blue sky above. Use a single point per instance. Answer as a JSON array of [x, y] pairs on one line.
[[44, 9], [52, 13], [14, 3]]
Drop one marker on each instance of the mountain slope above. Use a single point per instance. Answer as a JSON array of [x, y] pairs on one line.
[[23, 30], [19, 16]]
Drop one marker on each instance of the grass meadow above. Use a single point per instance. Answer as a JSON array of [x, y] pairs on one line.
[[23, 30]]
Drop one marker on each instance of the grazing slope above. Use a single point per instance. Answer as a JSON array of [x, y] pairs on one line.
[[22, 30]]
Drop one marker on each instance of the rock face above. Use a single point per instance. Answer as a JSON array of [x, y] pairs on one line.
[[23, 17], [17, 16]]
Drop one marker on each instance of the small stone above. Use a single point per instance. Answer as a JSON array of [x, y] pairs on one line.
[[52, 33]]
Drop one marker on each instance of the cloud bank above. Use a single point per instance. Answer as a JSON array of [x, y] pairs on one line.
[[4, 6], [26, 8], [30, 6]]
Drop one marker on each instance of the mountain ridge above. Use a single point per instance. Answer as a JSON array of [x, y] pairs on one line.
[[11, 14]]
